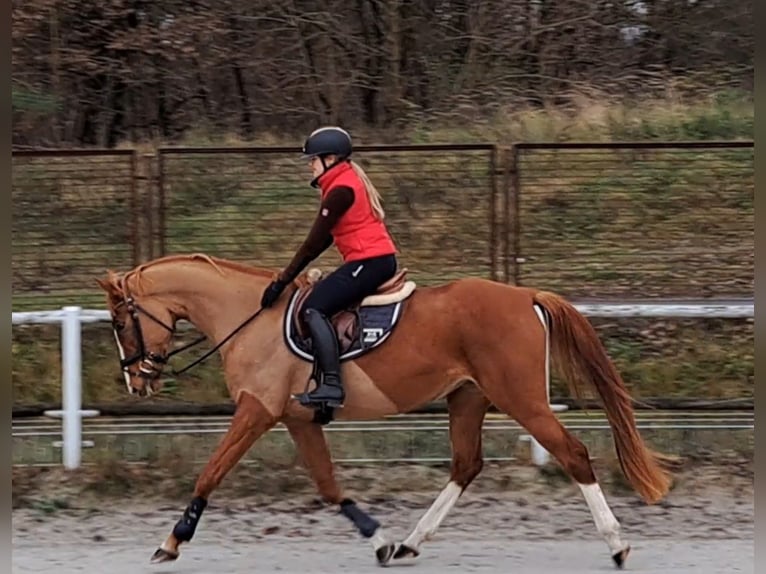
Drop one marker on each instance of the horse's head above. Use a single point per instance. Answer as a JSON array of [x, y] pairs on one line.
[[143, 330]]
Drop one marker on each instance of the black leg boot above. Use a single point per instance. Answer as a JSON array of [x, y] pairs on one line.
[[330, 387]]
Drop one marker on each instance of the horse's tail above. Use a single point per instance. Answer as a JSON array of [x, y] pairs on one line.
[[580, 358]]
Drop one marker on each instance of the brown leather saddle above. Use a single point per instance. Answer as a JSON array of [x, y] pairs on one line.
[[347, 323]]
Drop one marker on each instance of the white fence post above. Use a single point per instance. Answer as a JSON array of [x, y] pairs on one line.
[[71, 370], [540, 456], [71, 389], [71, 413]]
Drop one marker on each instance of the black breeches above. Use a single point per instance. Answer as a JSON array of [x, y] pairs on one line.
[[350, 283]]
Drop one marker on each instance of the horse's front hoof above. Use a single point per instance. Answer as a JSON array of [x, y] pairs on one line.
[[405, 551], [620, 557], [162, 555], [384, 554]]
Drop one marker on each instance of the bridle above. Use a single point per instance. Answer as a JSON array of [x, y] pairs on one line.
[[147, 360], [150, 363]]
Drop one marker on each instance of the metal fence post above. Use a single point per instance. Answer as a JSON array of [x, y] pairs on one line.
[[515, 191]]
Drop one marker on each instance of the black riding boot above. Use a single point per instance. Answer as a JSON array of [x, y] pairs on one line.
[[330, 387]]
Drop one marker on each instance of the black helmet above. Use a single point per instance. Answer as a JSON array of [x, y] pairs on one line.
[[328, 140]]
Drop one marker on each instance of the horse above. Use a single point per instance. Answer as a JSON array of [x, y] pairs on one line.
[[471, 342]]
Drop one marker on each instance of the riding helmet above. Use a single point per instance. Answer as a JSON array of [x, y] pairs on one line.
[[328, 140]]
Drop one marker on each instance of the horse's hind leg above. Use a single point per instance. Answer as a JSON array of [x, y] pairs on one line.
[[524, 397], [250, 421], [573, 456], [467, 407], [309, 439]]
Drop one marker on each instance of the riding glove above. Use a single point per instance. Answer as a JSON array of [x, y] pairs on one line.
[[272, 293]]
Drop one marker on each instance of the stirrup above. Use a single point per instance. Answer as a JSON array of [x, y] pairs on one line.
[[308, 399]]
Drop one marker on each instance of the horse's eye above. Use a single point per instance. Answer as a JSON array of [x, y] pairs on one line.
[[118, 325]]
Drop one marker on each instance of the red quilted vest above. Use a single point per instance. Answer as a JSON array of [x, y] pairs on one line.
[[358, 234]]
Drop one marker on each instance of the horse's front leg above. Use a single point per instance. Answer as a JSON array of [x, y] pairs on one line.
[[309, 439], [250, 421]]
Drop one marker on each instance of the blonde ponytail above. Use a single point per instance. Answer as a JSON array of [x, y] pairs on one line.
[[372, 193]]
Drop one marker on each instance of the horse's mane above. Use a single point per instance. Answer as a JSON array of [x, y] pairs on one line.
[[216, 262]]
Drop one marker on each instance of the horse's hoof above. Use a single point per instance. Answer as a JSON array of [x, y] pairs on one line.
[[405, 551], [162, 555], [620, 557], [385, 553]]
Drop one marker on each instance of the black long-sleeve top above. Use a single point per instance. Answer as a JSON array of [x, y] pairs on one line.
[[319, 237]]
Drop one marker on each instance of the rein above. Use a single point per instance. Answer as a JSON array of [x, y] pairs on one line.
[[218, 346], [144, 356]]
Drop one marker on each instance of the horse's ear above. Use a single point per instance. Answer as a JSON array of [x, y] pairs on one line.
[[110, 286]]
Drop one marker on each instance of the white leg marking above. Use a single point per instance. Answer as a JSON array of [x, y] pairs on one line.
[[606, 523], [434, 515]]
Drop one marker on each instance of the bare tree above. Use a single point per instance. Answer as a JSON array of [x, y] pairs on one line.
[[92, 72]]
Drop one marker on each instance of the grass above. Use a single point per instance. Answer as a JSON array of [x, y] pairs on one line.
[[609, 224], [630, 223]]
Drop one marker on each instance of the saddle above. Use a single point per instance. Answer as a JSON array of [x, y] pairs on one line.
[[348, 323]]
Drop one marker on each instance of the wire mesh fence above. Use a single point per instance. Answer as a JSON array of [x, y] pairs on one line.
[[256, 205], [408, 438], [626, 220], [73, 216], [607, 220]]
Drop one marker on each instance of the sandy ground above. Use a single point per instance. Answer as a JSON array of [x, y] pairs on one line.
[[705, 526], [511, 521], [492, 555]]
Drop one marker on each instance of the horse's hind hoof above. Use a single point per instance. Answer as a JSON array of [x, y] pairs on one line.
[[620, 557], [162, 555], [385, 553], [405, 551]]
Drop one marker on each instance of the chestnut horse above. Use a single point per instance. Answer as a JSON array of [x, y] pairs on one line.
[[472, 341]]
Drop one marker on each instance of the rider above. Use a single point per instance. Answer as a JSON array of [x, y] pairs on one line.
[[351, 216]]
